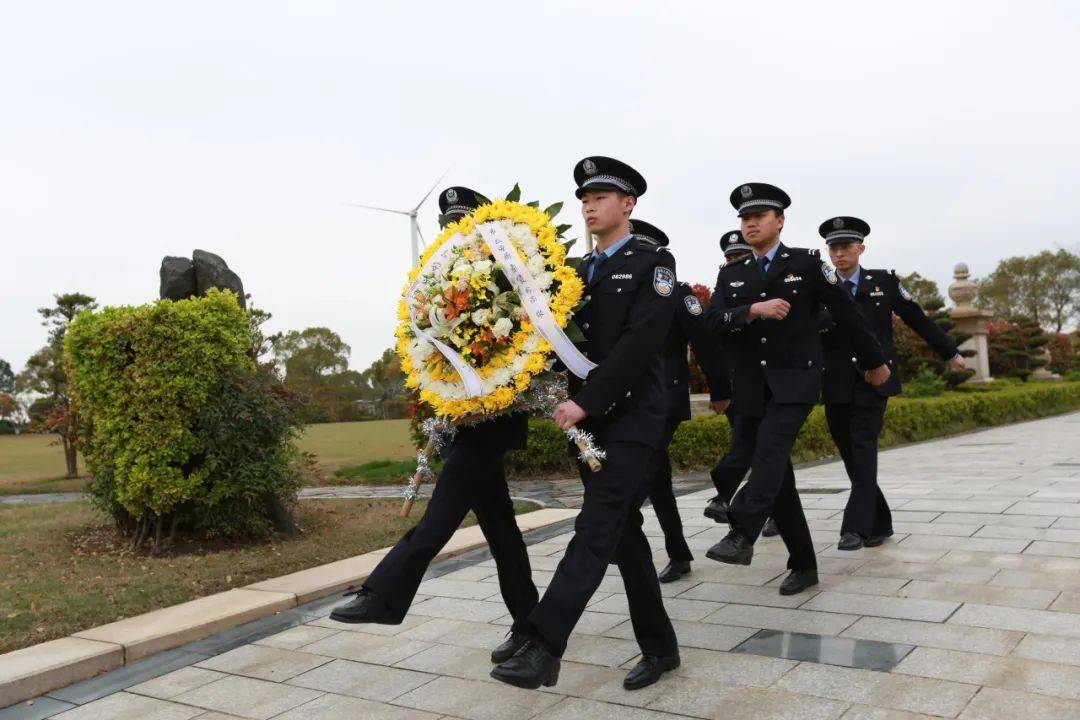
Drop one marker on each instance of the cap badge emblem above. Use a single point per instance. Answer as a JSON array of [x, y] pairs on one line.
[[589, 167], [451, 195], [746, 191], [732, 237], [838, 223]]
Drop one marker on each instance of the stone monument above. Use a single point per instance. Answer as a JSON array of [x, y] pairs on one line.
[[182, 278], [972, 321]]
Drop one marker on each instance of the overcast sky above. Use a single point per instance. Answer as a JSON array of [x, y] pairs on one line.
[[131, 131]]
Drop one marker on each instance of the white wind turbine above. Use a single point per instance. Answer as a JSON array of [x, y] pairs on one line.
[[415, 236]]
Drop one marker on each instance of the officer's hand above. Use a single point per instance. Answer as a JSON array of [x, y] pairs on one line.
[[719, 406], [878, 376], [775, 309], [568, 414], [957, 363]]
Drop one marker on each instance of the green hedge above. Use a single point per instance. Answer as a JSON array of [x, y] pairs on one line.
[[181, 431], [702, 440]]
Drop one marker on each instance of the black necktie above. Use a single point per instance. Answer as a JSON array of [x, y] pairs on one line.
[[763, 265], [850, 287], [597, 260]]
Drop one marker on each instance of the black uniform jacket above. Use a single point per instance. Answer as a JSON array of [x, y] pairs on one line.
[[505, 432], [628, 309], [784, 356], [689, 327], [878, 296]]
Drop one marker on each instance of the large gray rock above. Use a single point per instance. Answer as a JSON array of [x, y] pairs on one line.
[[212, 272], [177, 278]]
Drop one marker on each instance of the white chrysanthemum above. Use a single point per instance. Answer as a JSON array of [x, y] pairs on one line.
[[502, 327], [480, 317], [421, 349], [482, 266]]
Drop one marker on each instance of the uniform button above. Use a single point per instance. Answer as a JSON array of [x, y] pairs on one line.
[[762, 294], [764, 340], [877, 304], [854, 359], [585, 326], [794, 292], [763, 363], [734, 294], [588, 298], [809, 363], [676, 381], [627, 393], [618, 290]]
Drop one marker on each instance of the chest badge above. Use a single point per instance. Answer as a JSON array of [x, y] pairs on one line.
[[663, 280], [692, 304], [829, 273], [623, 276], [737, 283], [792, 277]]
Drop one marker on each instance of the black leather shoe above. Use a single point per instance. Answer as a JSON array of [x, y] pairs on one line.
[[509, 647], [366, 607], [798, 581], [717, 510], [769, 530], [850, 541], [530, 667], [674, 570], [648, 670], [734, 549], [875, 540]]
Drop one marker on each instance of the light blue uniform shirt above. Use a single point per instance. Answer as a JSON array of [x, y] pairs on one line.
[[607, 255]]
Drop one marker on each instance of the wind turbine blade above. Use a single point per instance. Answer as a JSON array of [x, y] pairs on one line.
[[431, 190], [380, 209]]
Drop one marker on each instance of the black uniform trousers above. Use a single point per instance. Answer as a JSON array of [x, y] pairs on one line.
[[729, 472], [471, 479], [607, 528], [662, 497], [771, 487], [855, 428]]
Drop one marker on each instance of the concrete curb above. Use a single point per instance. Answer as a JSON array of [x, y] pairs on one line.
[[39, 669]]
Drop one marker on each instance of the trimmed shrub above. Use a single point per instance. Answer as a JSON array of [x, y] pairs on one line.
[[702, 440], [181, 431]]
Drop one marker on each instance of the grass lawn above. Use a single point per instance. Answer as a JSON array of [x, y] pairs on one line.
[[64, 569], [355, 443], [32, 464]]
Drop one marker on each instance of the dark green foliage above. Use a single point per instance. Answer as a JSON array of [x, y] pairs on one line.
[[702, 440], [1017, 348]]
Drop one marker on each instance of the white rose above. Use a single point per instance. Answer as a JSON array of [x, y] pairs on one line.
[[502, 327], [482, 266], [421, 349]]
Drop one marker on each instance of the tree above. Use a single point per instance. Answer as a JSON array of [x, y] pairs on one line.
[[311, 355], [384, 385], [1016, 347], [1044, 288], [45, 377], [7, 377], [915, 357]]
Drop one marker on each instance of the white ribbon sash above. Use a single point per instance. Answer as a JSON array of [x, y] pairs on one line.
[[533, 300], [469, 376]]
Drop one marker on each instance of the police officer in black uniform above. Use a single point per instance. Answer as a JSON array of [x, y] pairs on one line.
[[854, 410], [629, 303], [765, 308], [688, 328], [472, 478]]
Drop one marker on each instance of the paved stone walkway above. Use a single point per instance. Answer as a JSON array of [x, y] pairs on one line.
[[979, 589]]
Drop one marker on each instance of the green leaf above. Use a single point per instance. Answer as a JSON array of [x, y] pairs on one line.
[[533, 204], [552, 210], [569, 244], [573, 332], [573, 262], [515, 194], [560, 229]]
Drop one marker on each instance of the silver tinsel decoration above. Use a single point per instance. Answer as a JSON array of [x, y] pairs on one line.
[[587, 445]]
